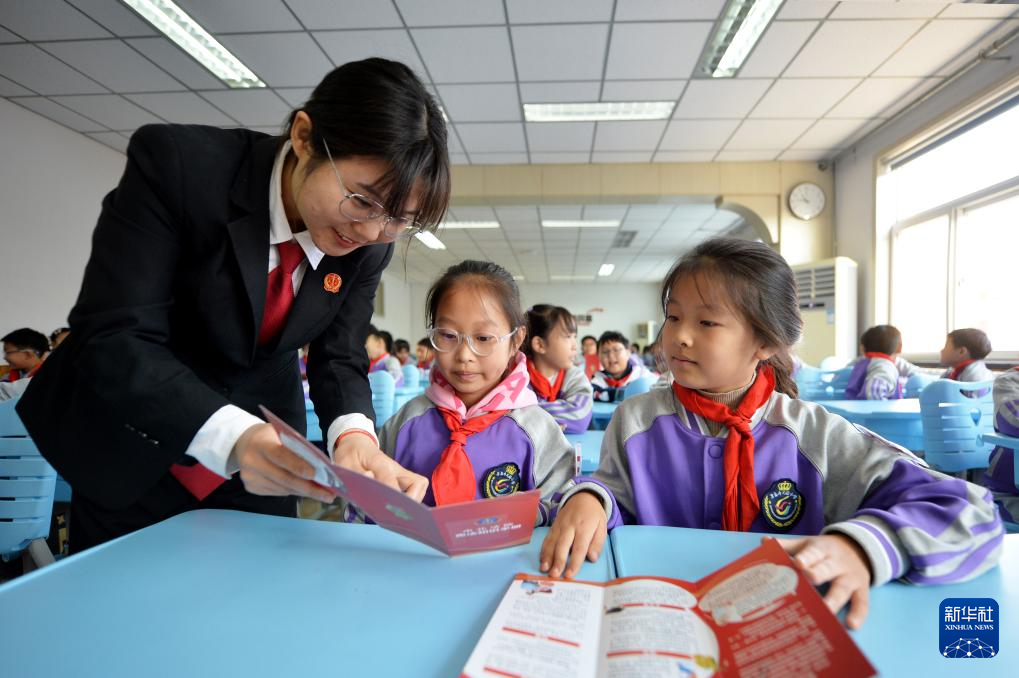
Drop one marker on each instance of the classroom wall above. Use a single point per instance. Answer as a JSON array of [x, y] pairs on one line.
[[52, 181], [856, 173]]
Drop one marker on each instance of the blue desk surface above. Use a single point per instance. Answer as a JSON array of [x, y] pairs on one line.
[[590, 448], [999, 439], [905, 408], [223, 593], [603, 411], [900, 635]]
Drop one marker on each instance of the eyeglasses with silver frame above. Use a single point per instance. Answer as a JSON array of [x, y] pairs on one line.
[[445, 340]]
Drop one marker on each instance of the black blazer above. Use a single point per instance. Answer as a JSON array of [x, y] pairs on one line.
[[165, 328]]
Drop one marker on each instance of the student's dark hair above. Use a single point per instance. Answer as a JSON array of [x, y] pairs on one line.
[[612, 336], [57, 332], [387, 339], [881, 339], [401, 345], [586, 337], [380, 108], [542, 319], [973, 340], [484, 274], [28, 339], [759, 285], [424, 342]]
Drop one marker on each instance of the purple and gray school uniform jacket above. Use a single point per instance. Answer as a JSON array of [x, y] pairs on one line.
[[1000, 476], [975, 371], [815, 473], [605, 393], [523, 450], [392, 365], [573, 407], [878, 379]]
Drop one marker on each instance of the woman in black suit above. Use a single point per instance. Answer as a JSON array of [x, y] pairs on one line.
[[217, 256]]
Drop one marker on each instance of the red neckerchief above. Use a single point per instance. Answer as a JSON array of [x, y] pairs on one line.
[[453, 479], [373, 363], [13, 375], [612, 382], [546, 390], [954, 376], [741, 502], [876, 354], [424, 364]]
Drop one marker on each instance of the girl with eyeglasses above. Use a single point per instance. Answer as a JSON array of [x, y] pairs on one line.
[[551, 346], [478, 430], [221, 253]]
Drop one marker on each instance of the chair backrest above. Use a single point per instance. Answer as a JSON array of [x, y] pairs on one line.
[[831, 363], [839, 381], [383, 392], [638, 386], [916, 383], [10, 422], [411, 376], [809, 383], [953, 423], [26, 495]]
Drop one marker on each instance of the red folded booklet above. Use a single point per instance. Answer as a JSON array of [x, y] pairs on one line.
[[454, 529]]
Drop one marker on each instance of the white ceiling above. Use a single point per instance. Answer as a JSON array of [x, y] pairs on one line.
[[824, 74]]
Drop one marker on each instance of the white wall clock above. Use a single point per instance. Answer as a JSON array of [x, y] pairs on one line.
[[806, 200]]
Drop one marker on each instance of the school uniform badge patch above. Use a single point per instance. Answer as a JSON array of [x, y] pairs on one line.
[[502, 480], [332, 283], [782, 505]]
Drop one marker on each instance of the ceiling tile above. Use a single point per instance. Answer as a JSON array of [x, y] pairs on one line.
[[344, 46], [30, 67], [175, 62], [326, 14], [560, 52], [642, 90], [684, 156], [729, 98], [48, 20], [466, 54], [451, 12], [296, 96], [887, 10], [114, 140], [12, 89], [251, 107], [776, 48], [114, 111], [803, 97], [761, 135], [617, 156], [806, 9], [697, 135], [829, 133], [559, 136], [280, 59], [806, 155], [542, 11], [560, 158], [58, 114], [241, 16], [560, 212], [666, 10], [655, 50], [875, 95], [114, 16], [559, 92], [969, 10], [7, 36], [836, 49], [492, 137], [605, 211], [182, 107], [481, 103], [114, 64], [459, 159], [641, 135], [936, 45]]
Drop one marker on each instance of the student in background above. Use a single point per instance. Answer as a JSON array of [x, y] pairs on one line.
[[880, 372], [478, 430], [730, 447], [24, 351], [1000, 476], [425, 354], [379, 345], [963, 355], [619, 370], [589, 350], [551, 345], [57, 336], [401, 349]]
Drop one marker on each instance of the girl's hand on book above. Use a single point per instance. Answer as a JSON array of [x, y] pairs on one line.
[[837, 560], [578, 531]]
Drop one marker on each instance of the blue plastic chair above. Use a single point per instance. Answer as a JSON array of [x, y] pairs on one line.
[[953, 424], [839, 381], [411, 376], [10, 422], [27, 483], [810, 383], [916, 384], [383, 395], [638, 386]]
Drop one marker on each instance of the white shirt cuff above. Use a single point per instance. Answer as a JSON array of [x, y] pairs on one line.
[[349, 422], [215, 440]]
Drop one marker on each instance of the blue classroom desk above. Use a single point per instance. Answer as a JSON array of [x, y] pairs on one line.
[[224, 593], [896, 420], [602, 412], [590, 448], [900, 634], [314, 428]]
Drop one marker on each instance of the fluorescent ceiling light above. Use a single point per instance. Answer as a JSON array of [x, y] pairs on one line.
[[430, 240], [740, 26], [188, 34], [581, 223], [606, 269], [518, 278], [595, 112], [470, 224]]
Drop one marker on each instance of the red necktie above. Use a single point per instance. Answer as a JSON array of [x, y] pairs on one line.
[[453, 479], [279, 292], [279, 297], [545, 389], [741, 502]]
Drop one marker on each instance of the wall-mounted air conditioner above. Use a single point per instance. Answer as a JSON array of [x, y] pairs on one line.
[[827, 295]]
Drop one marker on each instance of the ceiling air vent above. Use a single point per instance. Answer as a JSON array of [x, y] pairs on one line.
[[624, 238]]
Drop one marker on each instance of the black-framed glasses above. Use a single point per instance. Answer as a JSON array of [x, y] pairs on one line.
[[445, 340], [361, 208]]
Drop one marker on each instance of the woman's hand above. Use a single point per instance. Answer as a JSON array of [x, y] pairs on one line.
[[578, 531], [837, 559], [268, 468], [359, 453]]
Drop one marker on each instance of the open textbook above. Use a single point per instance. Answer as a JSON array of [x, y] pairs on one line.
[[454, 529], [757, 616]]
